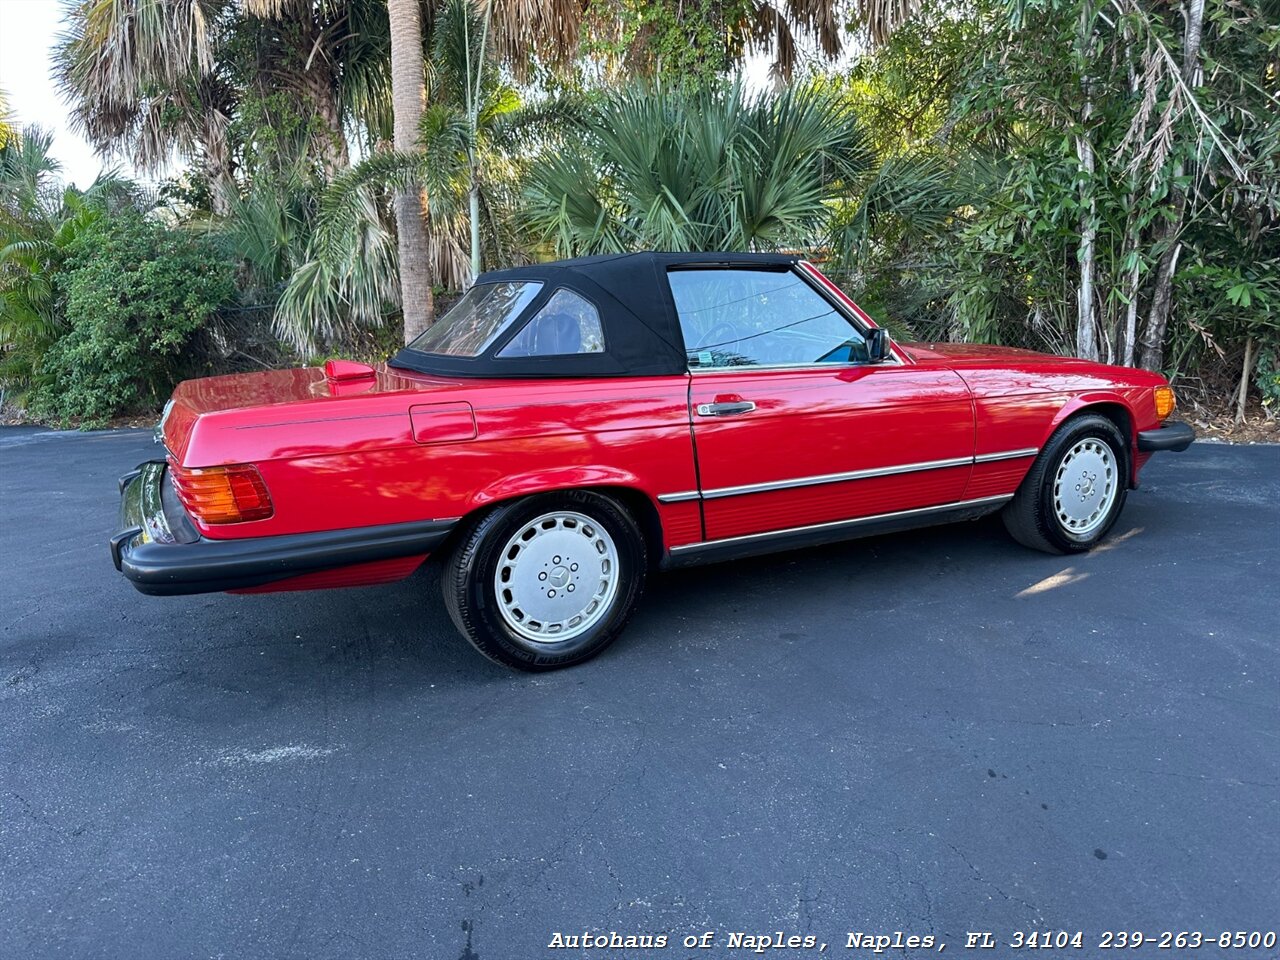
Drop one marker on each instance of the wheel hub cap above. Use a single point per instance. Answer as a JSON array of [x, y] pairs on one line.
[[557, 577], [1085, 486]]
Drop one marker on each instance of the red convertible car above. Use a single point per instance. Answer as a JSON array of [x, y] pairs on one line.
[[567, 428]]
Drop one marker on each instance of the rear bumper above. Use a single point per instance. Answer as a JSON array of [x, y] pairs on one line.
[[1174, 436], [159, 550]]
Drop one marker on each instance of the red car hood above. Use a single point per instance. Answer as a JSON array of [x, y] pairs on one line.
[[974, 353]]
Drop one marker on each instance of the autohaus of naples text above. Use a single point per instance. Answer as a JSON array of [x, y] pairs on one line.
[[738, 940]]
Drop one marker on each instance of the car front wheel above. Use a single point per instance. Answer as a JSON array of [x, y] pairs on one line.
[[1074, 491], [548, 581]]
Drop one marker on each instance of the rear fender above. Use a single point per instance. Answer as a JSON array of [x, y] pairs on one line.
[[681, 520], [550, 481]]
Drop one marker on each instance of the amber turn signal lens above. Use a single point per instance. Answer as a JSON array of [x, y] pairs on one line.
[[222, 494], [1165, 402]]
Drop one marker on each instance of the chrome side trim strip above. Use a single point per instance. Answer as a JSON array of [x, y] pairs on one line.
[[814, 481], [1007, 455], [843, 524], [835, 477], [678, 497]]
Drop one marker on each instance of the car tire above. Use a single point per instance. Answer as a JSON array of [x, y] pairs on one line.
[[1074, 491], [546, 581]]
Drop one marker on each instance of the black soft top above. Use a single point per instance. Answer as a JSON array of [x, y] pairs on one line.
[[630, 291]]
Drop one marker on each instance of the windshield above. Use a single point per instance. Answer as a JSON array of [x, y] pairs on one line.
[[476, 320]]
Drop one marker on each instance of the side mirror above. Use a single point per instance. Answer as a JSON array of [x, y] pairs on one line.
[[878, 348]]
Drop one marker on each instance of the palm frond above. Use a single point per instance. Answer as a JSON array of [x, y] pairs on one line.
[[523, 29], [706, 169], [446, 140], [344, 201], [328, 297], [8, 128]]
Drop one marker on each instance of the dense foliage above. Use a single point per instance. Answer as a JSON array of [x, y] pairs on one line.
[[1094, 177], [40, 220], [136, 293]]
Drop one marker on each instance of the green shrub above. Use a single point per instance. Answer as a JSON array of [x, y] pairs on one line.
[[135, 293], [1267, 377]]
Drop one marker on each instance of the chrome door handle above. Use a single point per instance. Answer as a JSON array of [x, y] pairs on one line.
[[725, 409]]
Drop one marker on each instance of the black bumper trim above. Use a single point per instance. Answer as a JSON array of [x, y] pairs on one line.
[[792, 538], [167, 567], [129, 477], [1175, 436]]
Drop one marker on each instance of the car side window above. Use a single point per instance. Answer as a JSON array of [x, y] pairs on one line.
[[567, 324], [764, 318]]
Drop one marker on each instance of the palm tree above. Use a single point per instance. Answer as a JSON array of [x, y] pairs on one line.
[[274, 227], [408, 99], [714, 169], [473, 134], [461, 52], [469, 157], [520, 28], [148, 79], [140, 79]]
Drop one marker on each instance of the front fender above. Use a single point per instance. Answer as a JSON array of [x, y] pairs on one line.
[[1097, 398], [1092, 399]]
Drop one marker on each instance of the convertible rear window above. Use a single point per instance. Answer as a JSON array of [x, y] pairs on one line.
[[568, 324], [477, 319]]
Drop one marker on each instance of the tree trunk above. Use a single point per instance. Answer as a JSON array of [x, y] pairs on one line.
[[1244, 380], [1130, 316], [408, 98], [1162, 295], [1086, 332], [1161, 302], [222, 188], [474, 204], [316, 85], [1133, 237], [214, 111], [218, 166], [1086, 339]]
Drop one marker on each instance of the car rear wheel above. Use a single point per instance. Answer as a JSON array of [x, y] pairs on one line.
[[547, 581], [1074, 491]]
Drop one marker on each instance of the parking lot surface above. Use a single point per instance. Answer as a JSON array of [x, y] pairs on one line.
[[933, 733]]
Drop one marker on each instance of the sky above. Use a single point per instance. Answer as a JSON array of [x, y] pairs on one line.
[[28, 30]]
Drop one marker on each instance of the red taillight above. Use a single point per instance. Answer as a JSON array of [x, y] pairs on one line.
[[222, 494]]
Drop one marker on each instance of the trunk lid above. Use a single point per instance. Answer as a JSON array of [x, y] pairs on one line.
[[300, 384], [265, 393]]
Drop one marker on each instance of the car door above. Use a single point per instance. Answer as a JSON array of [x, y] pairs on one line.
[[792, 425]]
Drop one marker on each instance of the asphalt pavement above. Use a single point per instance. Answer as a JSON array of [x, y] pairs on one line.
[[933, 733]]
